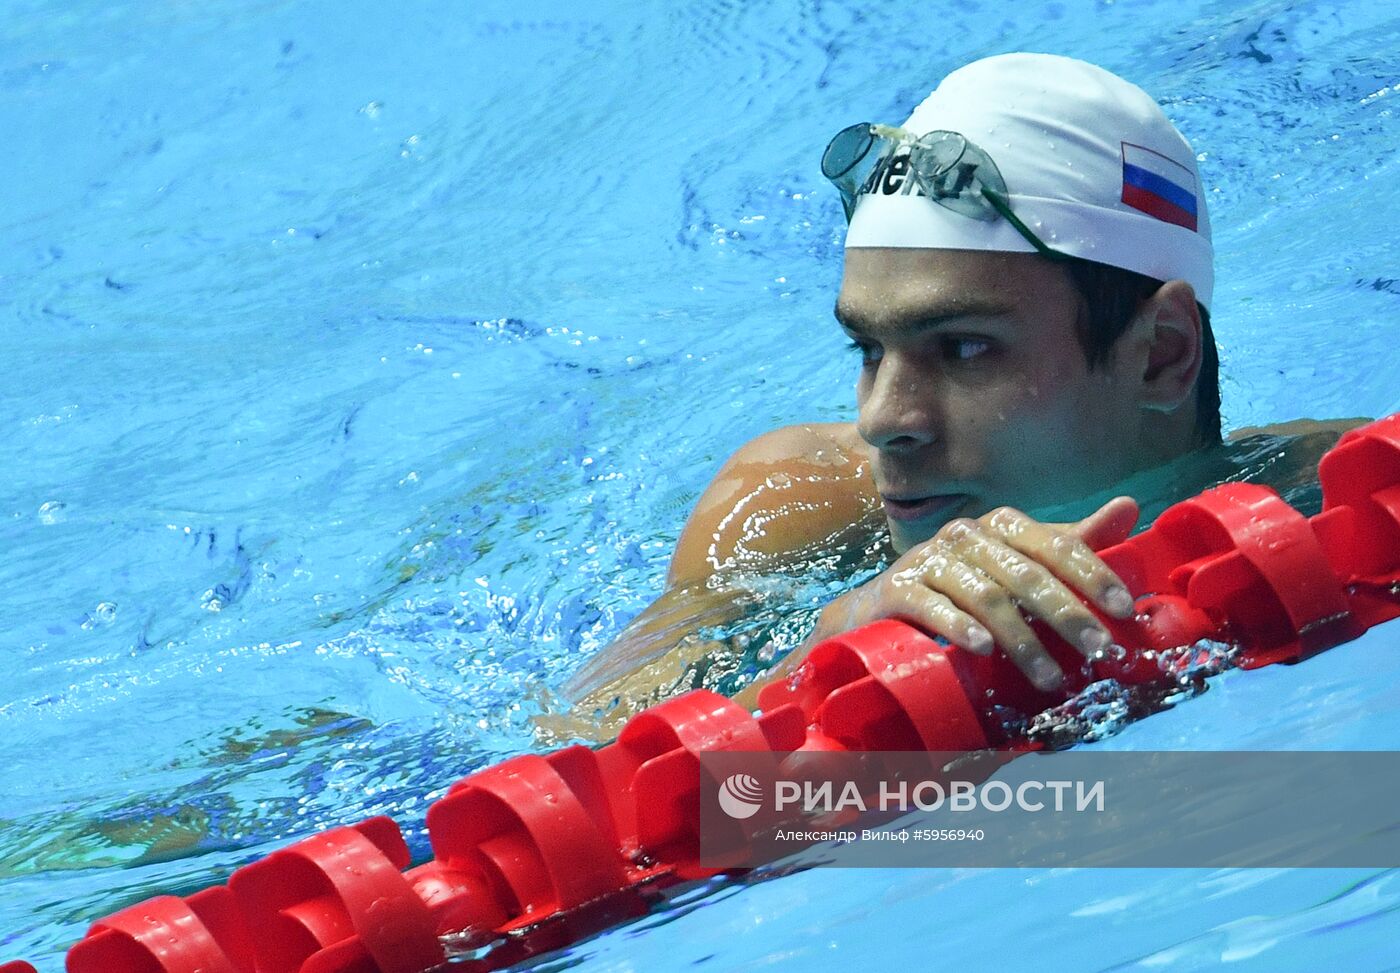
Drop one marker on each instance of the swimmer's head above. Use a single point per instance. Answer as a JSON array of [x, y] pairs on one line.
[[1091, 166], [1027, 280]]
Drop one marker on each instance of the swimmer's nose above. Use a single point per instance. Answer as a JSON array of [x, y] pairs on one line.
[[896, 408]]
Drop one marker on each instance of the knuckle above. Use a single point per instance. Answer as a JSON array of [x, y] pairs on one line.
[[1024, 573], [917, 556], [1066, 546], [989, 597], [935, 555], [1089, 564], [1004, 517], [945, 610], [957, 529], [935, 561], [1070, 617], [930, 609], [904, 577]]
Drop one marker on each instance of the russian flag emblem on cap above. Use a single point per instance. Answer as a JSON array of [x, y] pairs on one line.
[[1158, 186]]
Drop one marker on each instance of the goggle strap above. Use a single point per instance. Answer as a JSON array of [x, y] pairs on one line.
[[1004, 208]]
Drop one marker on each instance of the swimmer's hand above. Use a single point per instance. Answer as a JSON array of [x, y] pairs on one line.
[[973, 582]]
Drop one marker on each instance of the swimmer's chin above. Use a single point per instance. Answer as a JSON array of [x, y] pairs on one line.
[[913, 522]]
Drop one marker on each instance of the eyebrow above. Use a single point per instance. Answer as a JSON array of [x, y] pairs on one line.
[[922, 319]]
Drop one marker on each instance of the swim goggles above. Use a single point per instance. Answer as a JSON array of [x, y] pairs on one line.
[[948, 168]]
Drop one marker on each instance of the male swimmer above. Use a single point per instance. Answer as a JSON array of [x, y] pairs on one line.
[[1028, 277]]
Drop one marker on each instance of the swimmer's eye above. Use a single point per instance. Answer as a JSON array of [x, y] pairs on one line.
[[869, 353], [951, 348], [963, 349]]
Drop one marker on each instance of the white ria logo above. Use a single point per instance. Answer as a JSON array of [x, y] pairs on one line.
[[740, 796]]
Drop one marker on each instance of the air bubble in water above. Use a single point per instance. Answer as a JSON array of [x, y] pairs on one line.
[[51, 512]]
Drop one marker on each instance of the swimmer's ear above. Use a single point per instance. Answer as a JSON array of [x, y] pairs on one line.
[[1168, 327]]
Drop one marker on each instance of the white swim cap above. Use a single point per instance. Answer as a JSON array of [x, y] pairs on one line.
[[1092, 166]]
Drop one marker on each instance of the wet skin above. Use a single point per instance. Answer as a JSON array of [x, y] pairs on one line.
[[974, 391], [976, 403]]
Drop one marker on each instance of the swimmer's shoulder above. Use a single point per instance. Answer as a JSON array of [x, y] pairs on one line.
[[1322, 429], [1284, 456], [1295, 446], [789, 494]]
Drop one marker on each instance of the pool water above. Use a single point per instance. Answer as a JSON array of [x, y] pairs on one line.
[[363, 366]]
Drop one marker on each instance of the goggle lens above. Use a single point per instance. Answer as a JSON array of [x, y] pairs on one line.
[[850, 145], [949, 169]]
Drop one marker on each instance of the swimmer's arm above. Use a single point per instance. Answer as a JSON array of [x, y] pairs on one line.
[[785, 495], [782, 497]]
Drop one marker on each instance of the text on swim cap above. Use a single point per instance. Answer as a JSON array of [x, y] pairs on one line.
[[891, 177]]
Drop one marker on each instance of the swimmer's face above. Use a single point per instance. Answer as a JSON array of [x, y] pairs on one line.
[[974, 391]]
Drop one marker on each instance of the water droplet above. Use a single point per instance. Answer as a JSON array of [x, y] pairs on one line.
[[52, 512], [104, 614]]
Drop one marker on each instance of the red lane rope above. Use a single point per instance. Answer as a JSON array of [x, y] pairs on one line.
[[541, 850]]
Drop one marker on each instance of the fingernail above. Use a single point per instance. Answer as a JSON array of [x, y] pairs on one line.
[[1119, 601], [1094, 641], [1045, 674], [979, 640]]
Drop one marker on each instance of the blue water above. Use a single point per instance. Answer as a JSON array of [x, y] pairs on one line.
[[362, 366]]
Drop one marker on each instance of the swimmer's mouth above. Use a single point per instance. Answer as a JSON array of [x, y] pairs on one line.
[[922, 508]]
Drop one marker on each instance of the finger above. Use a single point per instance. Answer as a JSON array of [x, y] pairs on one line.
[[1032, 659], [1110, 524], [977, 595], [911, 598], [1033, 587], [1066, 555]]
